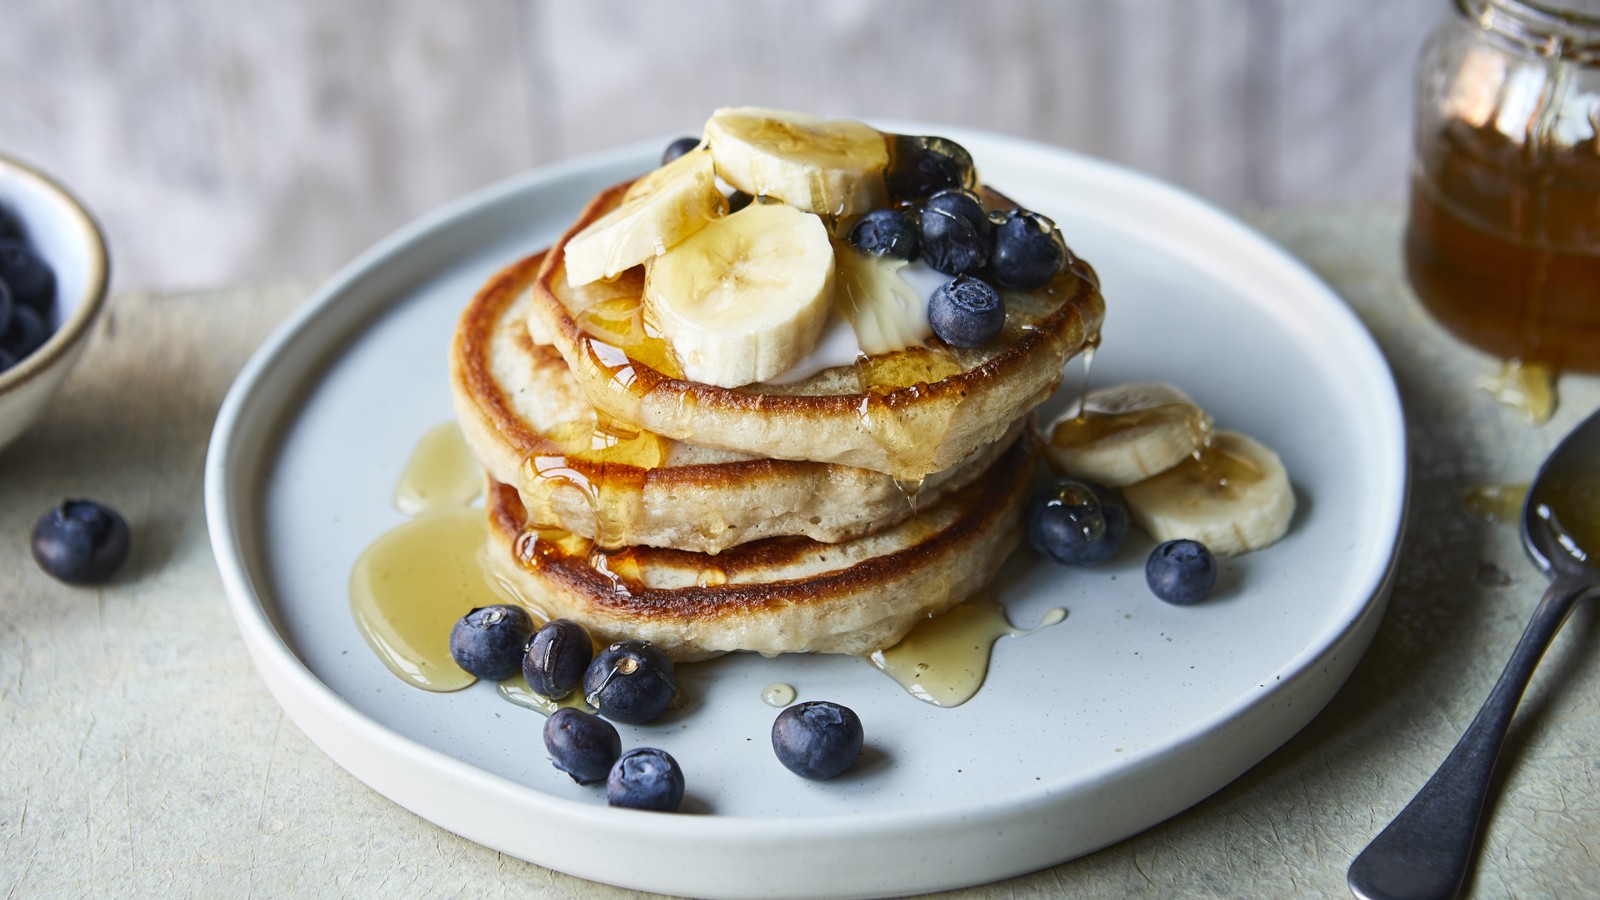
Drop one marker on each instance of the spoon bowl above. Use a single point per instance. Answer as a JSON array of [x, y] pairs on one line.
[[1426, 851]]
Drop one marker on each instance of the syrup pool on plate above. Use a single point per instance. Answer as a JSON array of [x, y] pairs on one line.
[[944, 659]]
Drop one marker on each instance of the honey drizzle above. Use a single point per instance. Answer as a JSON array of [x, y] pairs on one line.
[[516, 690], [1497, 502], [1528, 387], [411, 585], [944, 659]]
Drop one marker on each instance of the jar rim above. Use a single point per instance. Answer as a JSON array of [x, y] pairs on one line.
[[1542, 28]]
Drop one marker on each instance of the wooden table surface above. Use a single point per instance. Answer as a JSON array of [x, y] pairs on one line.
[[140, 755]]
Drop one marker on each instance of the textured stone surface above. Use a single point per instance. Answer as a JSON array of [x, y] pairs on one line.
[[140, 755]]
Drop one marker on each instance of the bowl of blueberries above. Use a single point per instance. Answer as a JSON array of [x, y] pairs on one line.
[[53, 275]]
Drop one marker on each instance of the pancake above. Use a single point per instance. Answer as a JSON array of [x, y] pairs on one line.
[[530, 425], [922, 410], [783, 595]]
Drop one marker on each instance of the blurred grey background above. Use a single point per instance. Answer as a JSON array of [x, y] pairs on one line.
[[226, 141]]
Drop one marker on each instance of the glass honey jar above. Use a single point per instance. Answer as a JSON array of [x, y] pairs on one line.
[[1503, 238]]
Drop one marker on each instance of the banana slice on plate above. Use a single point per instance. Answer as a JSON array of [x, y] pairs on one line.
[[746, 297], [831, 167], [1128, 433], [658, 212], [1234, 497]]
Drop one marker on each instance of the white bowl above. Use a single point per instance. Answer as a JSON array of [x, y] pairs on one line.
[[61, 231]]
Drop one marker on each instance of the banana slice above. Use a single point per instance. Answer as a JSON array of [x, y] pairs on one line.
[[831, 167], [746, 297], [882, 307], [1128, 433], [659, 211], [1234, 498]]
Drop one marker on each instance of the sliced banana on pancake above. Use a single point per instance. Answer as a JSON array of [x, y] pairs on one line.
[[1234, 497], [1127, 433], [746, 297], [831, 167], [659, 211]]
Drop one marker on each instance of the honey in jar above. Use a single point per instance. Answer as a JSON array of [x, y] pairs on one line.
[[1503, 238]]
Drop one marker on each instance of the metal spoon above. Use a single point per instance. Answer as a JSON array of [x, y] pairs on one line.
[[1425, 851]]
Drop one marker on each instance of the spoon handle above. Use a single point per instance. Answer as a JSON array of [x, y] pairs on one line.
[[1425, 851]]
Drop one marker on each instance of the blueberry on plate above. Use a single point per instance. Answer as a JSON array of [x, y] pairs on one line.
[[1181, 572], [81, 542], [955, 232], [1028, 251], [1077, 523], [885, 232], [11, 227], [556, 658], [581, 745], [966, 312], [489, 642], [630, 681], [6, 305], [645, 778], [30, 278], [678, 148], [817, 739], [25, 333], [922, 165]]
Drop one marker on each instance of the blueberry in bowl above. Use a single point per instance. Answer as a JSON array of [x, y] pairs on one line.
[[53, 260]]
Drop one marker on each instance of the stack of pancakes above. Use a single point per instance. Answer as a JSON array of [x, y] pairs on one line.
[[827, 514]]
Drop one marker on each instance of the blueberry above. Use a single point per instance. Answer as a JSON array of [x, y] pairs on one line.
[[556, 658], [920, 166], [6, 304], [966, 312], [1028, 251], [80, 542], [630, 681], [955, 232], [1077, 523], [645, 778], [489, 641], [31, 279], [25, 334], [1181, 572], [11, 227], [678, 148], [739, 200], [885, 232], [581, 745], [817, 739]]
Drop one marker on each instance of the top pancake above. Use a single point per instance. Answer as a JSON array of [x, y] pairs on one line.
[[529, 424], [922, 410]]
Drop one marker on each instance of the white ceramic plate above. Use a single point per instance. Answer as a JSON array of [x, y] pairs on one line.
[[1085, 733]]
